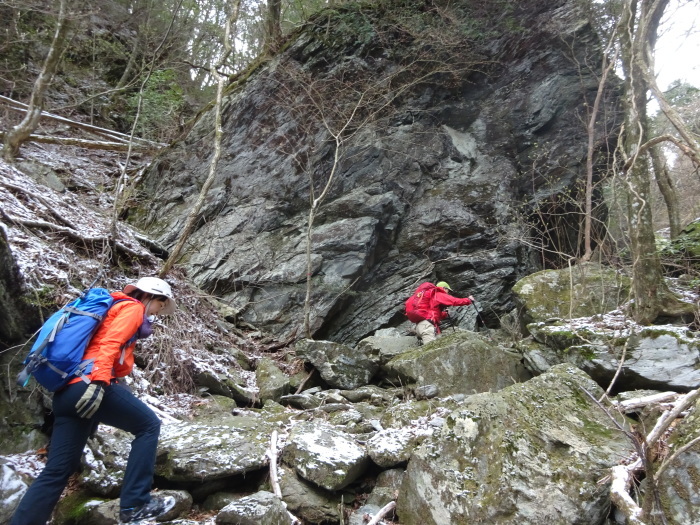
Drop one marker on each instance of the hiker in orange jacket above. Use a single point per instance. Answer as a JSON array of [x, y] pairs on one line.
[[435, 311], [82, 404]]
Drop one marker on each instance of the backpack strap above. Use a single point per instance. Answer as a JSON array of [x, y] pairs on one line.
[[126, 345], [73, 310], [133, 338]]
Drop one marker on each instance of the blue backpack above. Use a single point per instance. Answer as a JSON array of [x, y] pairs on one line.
[[57, 355]]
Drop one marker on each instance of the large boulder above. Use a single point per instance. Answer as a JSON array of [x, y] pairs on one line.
[[658, 357], [580, 291], [105, 460], [384, 348], [533, 453], [679, 485], [306, 500], [394, 446], [12, 488], [272, 382], [261, 508], [339, 365], [223, 379], [207, 450], [461, 362], [324, 455], [89, 511]]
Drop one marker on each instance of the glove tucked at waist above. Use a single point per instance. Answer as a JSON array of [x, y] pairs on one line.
[[90, 401]]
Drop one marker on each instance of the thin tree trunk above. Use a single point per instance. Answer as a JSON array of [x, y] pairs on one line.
[[21, 132], [273, 30], [120, 186], [137, 9], [218, 133], [667, 189], [587, 229], [126, 75], [673, 116]]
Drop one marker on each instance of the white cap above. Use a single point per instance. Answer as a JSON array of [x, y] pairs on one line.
[[154, 286]]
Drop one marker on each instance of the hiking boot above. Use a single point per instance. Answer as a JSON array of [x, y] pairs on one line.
[[153, 509]]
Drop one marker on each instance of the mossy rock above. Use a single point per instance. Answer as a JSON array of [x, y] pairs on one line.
[[581, 291], [533, 453], [685, 248]]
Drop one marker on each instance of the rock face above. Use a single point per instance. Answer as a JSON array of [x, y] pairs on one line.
[[16, 317], [552, 443], [421, 191]]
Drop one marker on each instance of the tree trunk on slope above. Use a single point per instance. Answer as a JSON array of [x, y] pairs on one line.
[[638, 37], [21, 132], [273, 31]]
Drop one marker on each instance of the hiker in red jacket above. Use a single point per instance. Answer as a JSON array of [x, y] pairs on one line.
[[103, 398], [428, 306]]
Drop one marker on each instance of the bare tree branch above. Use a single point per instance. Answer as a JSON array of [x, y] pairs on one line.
[[386, 509], [192, 217], [19, 133]]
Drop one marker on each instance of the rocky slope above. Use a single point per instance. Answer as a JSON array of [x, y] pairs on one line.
[[452, 432], [509, 425]]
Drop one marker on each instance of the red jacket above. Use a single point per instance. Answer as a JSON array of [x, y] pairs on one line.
[[436, 310], [121, 323]]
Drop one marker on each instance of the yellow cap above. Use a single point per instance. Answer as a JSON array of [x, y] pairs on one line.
[[443, 284]]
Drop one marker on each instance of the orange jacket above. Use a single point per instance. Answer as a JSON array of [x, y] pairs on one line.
[[121, 323]]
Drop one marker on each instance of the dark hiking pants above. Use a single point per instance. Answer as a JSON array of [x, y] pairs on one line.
[[120, 409]]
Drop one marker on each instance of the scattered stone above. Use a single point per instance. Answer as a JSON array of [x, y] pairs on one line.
[[261, 508], [272, 382], [338, 365]]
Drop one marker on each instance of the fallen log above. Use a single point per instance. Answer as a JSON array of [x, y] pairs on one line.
[[84, 143], [114, 135]]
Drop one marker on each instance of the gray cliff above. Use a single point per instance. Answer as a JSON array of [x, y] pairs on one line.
[[439, 183]]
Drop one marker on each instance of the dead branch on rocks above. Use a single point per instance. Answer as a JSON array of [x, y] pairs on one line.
[[82, 143], [622, 476], [386, 509], [274, 478], [631, 405], [21, 191]]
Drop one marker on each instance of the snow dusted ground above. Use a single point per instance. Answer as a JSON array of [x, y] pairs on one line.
[[57, 222]]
